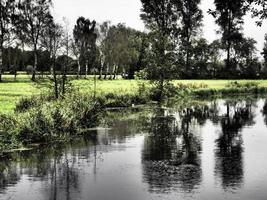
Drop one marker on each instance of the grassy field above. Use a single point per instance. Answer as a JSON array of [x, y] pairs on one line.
[[11, 91]]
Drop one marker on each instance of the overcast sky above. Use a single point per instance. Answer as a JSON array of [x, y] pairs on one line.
[[128, 12]]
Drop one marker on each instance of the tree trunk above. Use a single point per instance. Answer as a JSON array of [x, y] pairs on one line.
[[1, 62], [55, 80], [94, 84], [86, 69], [64, 79], [106, 71], [35, 64], [101, 70], [229, 43], [79, 69], [115, 72], [161, 88]]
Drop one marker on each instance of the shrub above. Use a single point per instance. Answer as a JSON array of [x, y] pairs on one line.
[[191, 86], [33, 127], [26, 104], [236, 84], [7, 124]]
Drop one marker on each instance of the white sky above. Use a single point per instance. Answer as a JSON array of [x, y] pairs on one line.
[[128, 12]]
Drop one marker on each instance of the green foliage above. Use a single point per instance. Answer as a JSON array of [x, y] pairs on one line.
[[123, 100], [85, 41], [7, 124], [191, 86], [229, 16], [169, 90], [25, 104], [236, 84]]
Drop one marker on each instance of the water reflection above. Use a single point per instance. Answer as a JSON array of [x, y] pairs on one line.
[[145, 154], [264, 111], [229, 159], [171, 151]]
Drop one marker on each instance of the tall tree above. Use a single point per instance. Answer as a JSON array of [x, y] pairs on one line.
[[121, 50], [102, 37], [35, 16], [52, 41], [215, 57], [229, 16], [264, 52], [191, 21], [258, 9], [66, 42], [85, 39], [7, 8], [161, 17]]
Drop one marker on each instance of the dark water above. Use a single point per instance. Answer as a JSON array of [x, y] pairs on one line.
[[208, 150]]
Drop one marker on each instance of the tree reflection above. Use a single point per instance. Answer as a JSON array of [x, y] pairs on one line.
[[172, 148], [229, 161], [161, 142], [264, 111]]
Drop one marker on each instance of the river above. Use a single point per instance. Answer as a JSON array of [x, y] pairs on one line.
[[202, 151]]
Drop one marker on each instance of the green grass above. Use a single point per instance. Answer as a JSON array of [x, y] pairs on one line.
[[11, 92]]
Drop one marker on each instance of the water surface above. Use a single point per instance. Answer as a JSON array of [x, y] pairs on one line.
[[207, 150]]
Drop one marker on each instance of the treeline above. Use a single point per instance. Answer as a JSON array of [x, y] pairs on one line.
[[172, 48]]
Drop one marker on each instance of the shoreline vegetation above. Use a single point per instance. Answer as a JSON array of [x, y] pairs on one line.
[[34, 117]]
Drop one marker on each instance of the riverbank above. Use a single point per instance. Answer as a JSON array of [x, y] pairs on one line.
[[30, 115], [12, 91]]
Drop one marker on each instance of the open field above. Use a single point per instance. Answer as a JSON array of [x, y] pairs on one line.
[[11, 91]]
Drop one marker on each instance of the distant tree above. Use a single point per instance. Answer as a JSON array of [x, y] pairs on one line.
[[161, 17], [103, 30], [191, 21], [7, 8], [85, 36], [246, 58], [66, 42], [52, 41], [121, 50], [201, 55], [215, 57], [35, 16], [229, 16], [76, 54], [264, 52]]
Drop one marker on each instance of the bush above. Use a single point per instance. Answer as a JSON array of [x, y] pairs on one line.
[[26, 104], [33, 127], [191, 86], [7, 124], [236, 84]]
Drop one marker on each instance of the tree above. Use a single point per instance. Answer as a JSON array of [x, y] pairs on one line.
[[200, 54], [34, 17], [258, 9], [191, 21], [160, 16], [7, 8], [215, 57], [85, 39], [103, 30], [246, 58], [120, 48], [51, 39], [76, 54], [66, 51], [264, 52], [229, 16]]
